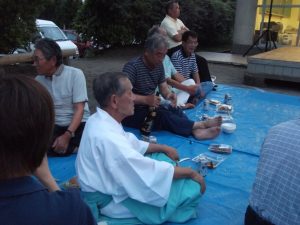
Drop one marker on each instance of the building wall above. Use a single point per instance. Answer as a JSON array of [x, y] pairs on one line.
[[244, 25], [249, 18]]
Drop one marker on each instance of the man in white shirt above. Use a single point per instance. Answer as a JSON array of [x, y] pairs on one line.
[[174, 26], [117, 180], [67, 88], [175, 29]]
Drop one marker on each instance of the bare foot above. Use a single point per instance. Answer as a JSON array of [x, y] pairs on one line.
[[215, 122], [188, 106], [208, 133]]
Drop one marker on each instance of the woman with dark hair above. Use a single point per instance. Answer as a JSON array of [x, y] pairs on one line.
[[27, 119]]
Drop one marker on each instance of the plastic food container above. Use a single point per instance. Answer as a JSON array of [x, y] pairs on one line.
[[214, 101], [220, 148], [228, 127], [223, 108]]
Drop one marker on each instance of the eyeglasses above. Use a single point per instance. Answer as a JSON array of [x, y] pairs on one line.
[[37, 59]]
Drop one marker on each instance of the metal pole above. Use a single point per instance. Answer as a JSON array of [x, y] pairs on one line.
[[268, 33]]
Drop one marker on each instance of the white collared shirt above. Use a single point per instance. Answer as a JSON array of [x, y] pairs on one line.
[[112, 162], [172, 26], [66, 87]]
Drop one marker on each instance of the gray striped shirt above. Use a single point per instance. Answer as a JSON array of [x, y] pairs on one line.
[[144, 80]]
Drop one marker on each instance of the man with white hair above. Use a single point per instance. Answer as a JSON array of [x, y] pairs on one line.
[[119, 182], [146, 73]]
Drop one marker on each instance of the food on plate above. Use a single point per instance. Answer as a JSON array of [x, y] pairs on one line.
[[214, 102]]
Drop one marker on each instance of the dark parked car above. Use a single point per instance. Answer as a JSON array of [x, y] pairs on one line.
[[82, 45]]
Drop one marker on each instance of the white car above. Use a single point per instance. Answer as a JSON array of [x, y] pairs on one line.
[[50, 30]]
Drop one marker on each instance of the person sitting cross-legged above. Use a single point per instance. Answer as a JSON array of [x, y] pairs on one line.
[[146, 73], [184, 61], [125, 180], [175, 29], [182, 87]]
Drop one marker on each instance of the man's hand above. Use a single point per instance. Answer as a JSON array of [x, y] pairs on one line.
[[182, 30], [170, 152], [199, 179], [178, 77], [192, 89], [61, 143], [153, 100], [173, 98]]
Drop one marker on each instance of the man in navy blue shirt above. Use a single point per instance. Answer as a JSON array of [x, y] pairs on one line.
[[146, 73], [27, 119]]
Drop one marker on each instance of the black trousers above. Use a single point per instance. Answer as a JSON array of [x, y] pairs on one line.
[[168, 118], [202, 64], [74, 142], [252, 218]]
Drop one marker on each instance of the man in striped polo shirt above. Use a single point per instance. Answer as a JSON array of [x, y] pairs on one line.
[[175, 29], [146, 73], [184, 61]]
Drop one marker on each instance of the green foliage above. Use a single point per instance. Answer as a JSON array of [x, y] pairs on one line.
[[61, 12], [17, 22], [122, 22], [105, 21], [118, 22], [211, 19], [143, 15]]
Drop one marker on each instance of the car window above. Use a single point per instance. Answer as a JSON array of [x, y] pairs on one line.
[[52, 32], [70, 36]]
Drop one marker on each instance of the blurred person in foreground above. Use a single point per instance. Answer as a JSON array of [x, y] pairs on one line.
[[275, 197], [67, 87], [27, 118], [125, 180]]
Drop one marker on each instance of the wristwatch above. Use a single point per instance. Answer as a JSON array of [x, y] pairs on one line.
[[71, 133]]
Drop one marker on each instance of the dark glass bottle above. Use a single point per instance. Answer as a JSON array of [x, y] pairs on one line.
[[147, 125]]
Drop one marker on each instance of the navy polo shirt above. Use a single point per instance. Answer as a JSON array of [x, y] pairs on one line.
[[24, 201]]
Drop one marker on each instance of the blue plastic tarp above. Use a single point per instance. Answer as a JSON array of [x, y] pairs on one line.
[[229, 185]]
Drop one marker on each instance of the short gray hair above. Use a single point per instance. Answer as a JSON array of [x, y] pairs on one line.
[[107, 84], [50, 49], [153, 30], [154, 42]]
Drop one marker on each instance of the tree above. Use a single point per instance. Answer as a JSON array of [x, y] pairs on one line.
[[17, 22], [211, 19], [118, 22], [124, 21], [62, 12]]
